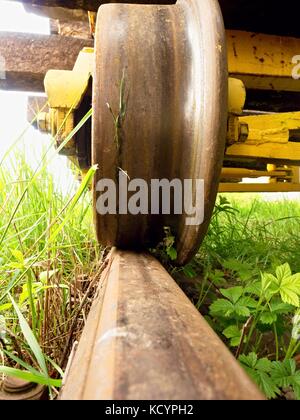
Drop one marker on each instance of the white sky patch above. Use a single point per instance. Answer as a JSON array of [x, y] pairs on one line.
[[13, 18], [13, 105], [13, 122]]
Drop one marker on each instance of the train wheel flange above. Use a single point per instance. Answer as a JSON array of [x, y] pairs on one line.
[[160, 110]]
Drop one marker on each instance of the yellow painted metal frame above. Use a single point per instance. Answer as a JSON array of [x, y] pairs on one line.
[[256, 187], [65, 91], [268, 137], [236, 96], [66, 88], [263, 61], [258, 61], [239, 173], [279, 179]]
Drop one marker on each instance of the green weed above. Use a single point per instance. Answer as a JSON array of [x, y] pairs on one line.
[[246, 289], [48, 257]]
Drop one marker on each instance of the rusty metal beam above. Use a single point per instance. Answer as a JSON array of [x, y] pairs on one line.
[[261, 61], [77, 29], [145, 340], [27, 58]]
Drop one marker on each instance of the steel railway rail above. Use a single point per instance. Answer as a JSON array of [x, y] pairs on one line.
[[145, 340], [165, 108]]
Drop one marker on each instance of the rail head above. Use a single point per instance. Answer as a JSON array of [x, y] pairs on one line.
[[145, 340]]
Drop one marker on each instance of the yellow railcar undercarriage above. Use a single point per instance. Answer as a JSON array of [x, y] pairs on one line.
[[255, 140]]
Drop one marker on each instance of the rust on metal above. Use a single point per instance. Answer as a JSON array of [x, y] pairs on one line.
[[263, 61], [15, 389], [75, 29], [28, 57], [145, 340], [172, 60]]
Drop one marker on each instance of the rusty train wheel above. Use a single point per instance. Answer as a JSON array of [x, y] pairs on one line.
[[160, 109]]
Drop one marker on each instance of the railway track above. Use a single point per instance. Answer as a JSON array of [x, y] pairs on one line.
[[164, 108], [145, 340]]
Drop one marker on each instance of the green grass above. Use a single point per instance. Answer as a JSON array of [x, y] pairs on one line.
[[244, 281], [247, 235], [263, 234], [49, 258]]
